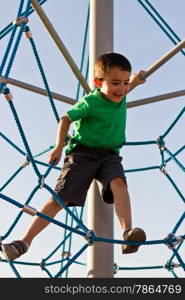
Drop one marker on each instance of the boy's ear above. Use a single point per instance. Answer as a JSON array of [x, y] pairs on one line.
[[98, 82]]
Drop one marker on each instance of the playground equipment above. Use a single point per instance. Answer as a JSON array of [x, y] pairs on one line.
[[173, 241]]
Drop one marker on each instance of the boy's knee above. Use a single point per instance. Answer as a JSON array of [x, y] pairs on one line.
[[55, 203], [118, 182]]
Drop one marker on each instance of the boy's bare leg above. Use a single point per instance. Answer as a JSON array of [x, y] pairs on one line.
[[122, 202], [123, 211], [50, 208]]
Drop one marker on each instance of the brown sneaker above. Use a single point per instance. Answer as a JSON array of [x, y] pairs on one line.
[[14, 249], [134, 235]]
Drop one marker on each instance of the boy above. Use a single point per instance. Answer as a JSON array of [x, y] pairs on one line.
[[93, 152]]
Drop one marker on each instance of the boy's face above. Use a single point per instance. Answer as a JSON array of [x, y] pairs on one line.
[[115, 84]]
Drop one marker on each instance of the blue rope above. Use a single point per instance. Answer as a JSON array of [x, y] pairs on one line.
[[43, 76], [171, 34], [73, 216], [10, 26]]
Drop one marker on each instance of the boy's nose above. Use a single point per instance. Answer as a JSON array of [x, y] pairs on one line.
[[122, 89], [126, 89]]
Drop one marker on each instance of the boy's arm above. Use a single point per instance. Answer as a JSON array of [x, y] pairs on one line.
[[62, 131], [136, 80]]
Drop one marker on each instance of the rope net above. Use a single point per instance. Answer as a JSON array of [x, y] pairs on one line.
[[73, 225]]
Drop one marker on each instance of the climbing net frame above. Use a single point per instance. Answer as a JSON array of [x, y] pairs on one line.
[[73, 223]]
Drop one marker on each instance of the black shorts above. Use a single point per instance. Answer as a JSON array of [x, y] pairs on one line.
[[83, 165]]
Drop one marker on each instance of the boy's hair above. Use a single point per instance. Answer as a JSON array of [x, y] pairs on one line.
[[110, 60]]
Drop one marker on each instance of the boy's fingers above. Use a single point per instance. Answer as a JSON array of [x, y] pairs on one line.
[[55, 160], [51, 159], [142, 75]]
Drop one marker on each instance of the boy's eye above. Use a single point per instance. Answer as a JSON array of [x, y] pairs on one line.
[[117, 83]]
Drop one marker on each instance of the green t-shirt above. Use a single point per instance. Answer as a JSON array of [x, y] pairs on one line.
[[98, 122]]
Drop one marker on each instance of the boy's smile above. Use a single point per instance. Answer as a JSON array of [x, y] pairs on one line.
[[115, 85]]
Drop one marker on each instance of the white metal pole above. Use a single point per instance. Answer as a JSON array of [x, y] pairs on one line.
[[167, 56], [155, 99], [37, 90], [100, 215], [43, 17], [72, 101]]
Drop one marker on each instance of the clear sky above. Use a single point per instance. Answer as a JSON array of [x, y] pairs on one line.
[[156, 205]]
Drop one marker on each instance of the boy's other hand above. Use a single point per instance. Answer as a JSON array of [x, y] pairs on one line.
[[55, 155]]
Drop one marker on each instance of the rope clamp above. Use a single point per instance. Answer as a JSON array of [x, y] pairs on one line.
[[175, 265], [171, 245], [161, 143], [89, 237], [18, 21], [3, 80], [7, 94], [25, 164], [42, 182], [163, 169], [116, 268], [42, 264], [171, 265], [66, 253], [27, 32], [29, 210], [8, 97]]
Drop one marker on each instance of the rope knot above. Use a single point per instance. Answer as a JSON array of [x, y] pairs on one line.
[[7, 94], [161, 143], [29, 210], [18, 21], [116, 268], [163, 169], [66, 254], [41, 181], [42, 264], [90, 237], [27, 32], [171, 265], [173, 241]]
